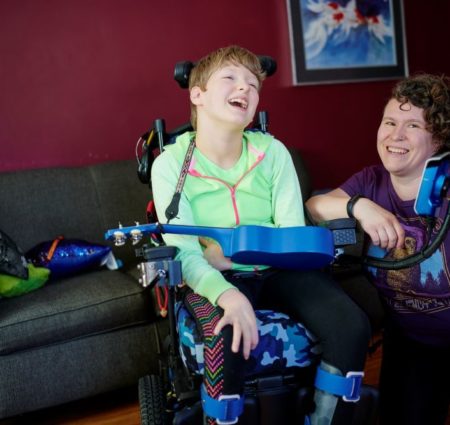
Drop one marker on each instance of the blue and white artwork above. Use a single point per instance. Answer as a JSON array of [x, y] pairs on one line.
[[348, 34]]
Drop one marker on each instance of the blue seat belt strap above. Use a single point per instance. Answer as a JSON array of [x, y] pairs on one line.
[[226, 409], [348, 386]]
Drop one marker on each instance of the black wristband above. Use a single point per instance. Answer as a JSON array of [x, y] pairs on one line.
[[351, 204]]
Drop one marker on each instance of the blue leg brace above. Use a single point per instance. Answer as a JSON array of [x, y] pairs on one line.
[[330, 386], [226, 409], [349, 387]]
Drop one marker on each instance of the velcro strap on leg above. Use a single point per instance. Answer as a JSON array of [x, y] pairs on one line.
[[226, 409], [349, 387]]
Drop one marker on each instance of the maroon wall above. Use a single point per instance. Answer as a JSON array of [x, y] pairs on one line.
[[80, 80]]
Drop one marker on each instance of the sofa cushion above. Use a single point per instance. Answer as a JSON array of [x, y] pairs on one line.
[[38, 205], [77, 203], [75, 307], [123, 199]]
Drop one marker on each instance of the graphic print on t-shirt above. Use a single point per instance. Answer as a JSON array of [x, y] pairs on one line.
[[419, 288]]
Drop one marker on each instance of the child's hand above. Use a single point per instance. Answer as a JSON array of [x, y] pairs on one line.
[[214, 255], [238, 312]]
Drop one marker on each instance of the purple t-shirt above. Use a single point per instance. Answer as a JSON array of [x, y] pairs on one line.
[[418, 298]]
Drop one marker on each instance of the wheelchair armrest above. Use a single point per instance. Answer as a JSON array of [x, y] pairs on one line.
[[343, 229], [159, 267], [156, 253], [349, 240]]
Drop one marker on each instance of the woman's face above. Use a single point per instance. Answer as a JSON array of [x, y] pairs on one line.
[[403, 142]]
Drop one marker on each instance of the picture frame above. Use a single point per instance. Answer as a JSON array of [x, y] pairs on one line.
[[344, 41]]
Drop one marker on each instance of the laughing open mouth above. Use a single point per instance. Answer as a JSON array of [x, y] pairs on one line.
[[240, 103]]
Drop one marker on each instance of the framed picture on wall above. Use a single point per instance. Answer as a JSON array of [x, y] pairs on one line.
[[347, 40]]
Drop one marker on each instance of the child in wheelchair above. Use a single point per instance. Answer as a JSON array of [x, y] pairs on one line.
[[225, 176]]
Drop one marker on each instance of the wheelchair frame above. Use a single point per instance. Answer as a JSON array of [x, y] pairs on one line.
[[174, 396]]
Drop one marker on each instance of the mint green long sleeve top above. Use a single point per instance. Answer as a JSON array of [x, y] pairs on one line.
[[260, 189]]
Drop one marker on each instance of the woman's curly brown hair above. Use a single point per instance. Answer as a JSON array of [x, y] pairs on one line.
[[432, 94]]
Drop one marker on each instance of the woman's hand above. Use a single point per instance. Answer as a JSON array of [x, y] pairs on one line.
[[381, 225], [239, 313], [214, 255]]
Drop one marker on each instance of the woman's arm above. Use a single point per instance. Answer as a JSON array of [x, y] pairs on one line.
[[328, 206], [380, 224]]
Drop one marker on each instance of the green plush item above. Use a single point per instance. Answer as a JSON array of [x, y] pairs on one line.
[[11, 286]]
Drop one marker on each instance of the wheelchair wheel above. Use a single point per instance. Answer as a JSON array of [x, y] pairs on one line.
[[152, 400]]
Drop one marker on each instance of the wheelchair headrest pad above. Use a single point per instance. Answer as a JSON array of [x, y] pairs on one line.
[[183, 70]]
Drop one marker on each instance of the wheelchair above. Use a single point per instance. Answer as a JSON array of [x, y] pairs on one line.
[[279, 382]]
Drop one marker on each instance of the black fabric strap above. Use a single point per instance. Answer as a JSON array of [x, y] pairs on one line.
[[351, 204], [172, 209]]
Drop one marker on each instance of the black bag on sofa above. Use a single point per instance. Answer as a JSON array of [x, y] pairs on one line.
[[12, 259]]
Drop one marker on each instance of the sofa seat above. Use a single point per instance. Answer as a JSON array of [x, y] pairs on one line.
[[89, 304]]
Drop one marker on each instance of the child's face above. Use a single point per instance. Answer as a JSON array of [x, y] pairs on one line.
[[404, 143], [231, 96]]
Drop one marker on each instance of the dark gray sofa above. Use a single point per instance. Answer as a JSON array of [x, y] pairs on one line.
[[86, 334]]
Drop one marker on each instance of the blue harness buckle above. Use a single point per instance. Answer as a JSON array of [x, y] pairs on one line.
[[356, 378], [226, 409], [349, 387]]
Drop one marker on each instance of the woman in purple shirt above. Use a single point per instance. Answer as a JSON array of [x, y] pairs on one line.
[[415, 372]]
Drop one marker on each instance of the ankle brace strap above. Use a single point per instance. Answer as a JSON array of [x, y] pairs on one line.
[[226, 409], [349, 387]]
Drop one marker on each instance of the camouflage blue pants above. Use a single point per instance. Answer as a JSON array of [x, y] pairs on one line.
[[283, 343]]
